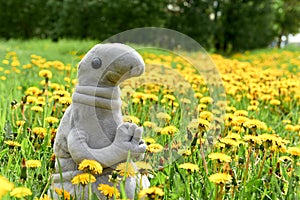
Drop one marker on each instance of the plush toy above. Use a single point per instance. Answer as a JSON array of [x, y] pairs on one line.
[[92, 126]]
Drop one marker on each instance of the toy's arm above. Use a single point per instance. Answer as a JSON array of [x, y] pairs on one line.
[[128, 138]]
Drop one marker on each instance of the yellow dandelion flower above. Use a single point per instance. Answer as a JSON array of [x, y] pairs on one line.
[[5, 186], [190, 167], [149, 140], [126, 169], [91, 166], [201, 107], [289, 127], [51, 120], [169, 130], [239, 120], [20, 192], [12, 143], [63, 193], [149, 124], [40, 131], [65, 100], [206, 100], [109, 191], [255, 124], [243, 113], [130, 118], [169, 97], [284, 159], [37, 108], [20, 123], [44, 197], [229, 142], [45, 74], [32, 91], [33, 163], [295, 151], [203, 124], [162, 115], [220, 178], [154, 148], [275, 102], [252, 108], [83, 179], [143, 165], [252, 139], [151, 192], [185, 152], [221, 157], [206, 115]]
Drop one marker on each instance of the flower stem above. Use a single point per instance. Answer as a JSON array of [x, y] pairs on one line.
[[262, 164], [247, 163]]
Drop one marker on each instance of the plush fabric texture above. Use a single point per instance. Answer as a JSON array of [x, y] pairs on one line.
[[92, 126]]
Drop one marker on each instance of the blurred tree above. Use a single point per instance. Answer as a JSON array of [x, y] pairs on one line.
[[192, 17], [244, 24], [287, 19]]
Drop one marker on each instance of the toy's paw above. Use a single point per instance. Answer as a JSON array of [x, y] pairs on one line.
[[129, 138]]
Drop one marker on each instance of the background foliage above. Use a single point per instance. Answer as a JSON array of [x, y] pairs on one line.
[[223, 25]]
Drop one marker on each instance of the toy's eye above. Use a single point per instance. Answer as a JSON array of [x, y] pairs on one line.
[[96, 63]]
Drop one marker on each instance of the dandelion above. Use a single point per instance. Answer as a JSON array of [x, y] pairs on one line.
[[149, 124], [44, 197], [289, 127], [12, 143], [252, 139], [220, 178], [164, 116], [83, 179], [63, 193], [33, 163], [65, 100], [206, 115], [152, 193], [126, 169], [20, 192], [149, 140], [109, 191], [185, 152], [275, 102], [51, 120], [154, 148], [284, 159], [255, 124], [33, 91], [45, 74], [130, 118], [221, 157], [229, 142], [190, 167], [294, 151], [5, 186], [37, 109], [243, 113], [40, 131], [90, 166], [206, 100], [20, 123], [143, 165], [169, 130]]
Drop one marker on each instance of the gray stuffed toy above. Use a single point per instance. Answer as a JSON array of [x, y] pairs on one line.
[[92, 126]]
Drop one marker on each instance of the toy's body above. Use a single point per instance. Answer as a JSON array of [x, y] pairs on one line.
[[92, 127]]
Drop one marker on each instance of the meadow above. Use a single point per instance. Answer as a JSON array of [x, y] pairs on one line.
[[241, 144]]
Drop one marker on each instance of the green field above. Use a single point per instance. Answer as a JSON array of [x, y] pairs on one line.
[[253, 154]]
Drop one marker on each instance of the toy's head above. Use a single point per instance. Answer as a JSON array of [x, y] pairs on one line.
[[107, 65]]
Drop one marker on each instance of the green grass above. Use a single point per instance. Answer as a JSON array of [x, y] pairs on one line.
[[255, 170]]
